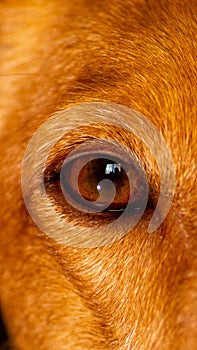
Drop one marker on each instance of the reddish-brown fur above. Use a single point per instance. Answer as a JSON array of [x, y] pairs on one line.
[[140, 292]]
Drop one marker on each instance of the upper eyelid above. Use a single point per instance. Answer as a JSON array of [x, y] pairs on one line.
[[115, 153], [67, 144], [137, 149]]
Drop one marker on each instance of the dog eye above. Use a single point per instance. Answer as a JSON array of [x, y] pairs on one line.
[[96, 183], [97, 192]]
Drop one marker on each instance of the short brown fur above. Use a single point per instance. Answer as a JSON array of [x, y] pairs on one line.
[[140, 292]]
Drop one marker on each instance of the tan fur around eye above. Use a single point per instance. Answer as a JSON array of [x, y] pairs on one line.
[[139, 292]]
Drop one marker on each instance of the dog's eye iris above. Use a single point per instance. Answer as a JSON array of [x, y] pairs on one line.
[[107, 184], [91, 185]]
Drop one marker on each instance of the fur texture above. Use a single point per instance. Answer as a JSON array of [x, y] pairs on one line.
[[140, 292]]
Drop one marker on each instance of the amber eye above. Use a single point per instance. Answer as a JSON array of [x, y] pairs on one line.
[[101, 184]]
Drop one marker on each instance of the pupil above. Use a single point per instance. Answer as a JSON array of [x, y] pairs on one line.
[[100, 169], [111, 171]]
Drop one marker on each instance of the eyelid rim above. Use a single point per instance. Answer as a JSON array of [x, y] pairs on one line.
[[97, 147], [85, 204]]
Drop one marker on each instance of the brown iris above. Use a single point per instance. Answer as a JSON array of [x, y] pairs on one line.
[[124, 183]]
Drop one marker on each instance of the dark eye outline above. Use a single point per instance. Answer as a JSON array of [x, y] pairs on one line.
[[53, 175]]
